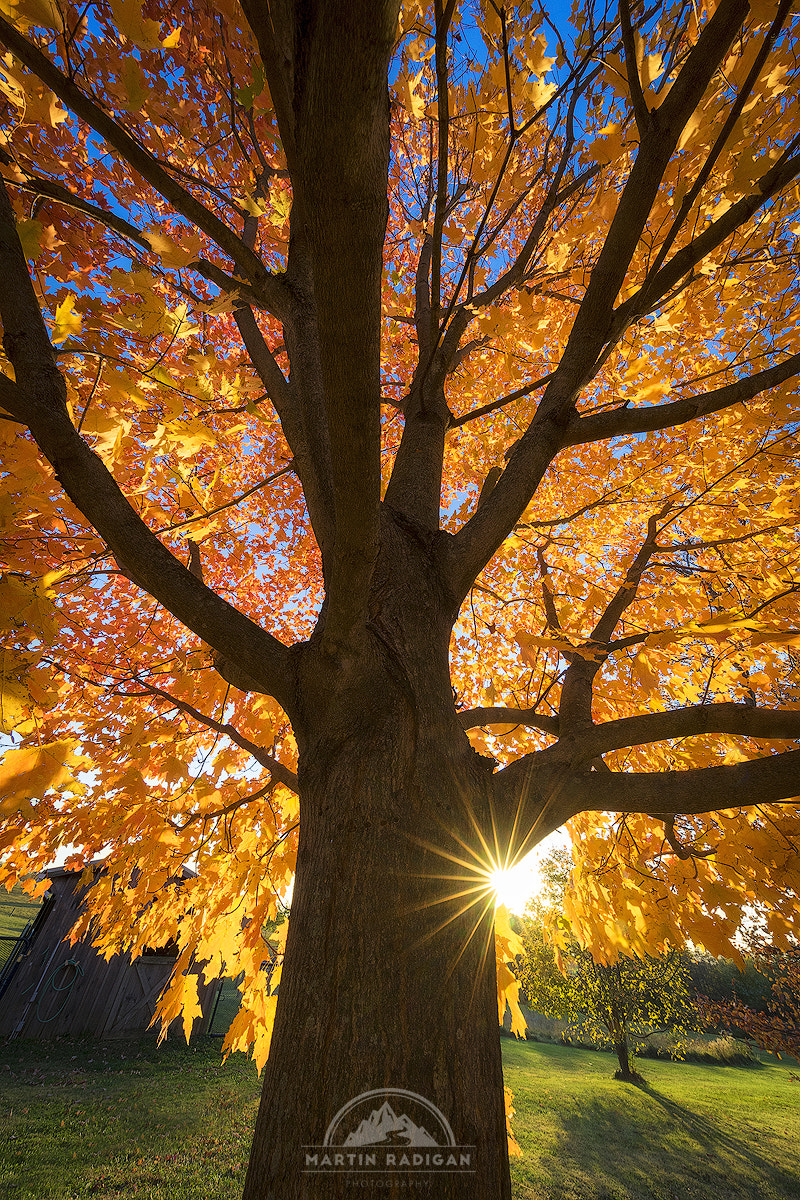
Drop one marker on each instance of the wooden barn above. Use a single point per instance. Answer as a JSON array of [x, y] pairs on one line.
[[50, 988]]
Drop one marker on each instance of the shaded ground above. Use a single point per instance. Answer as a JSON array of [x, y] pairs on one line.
[[113, 1120]]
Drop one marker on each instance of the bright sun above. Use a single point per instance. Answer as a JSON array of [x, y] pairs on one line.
[[514, 886]]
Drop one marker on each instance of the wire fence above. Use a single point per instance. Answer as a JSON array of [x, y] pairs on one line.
[[226, 1008], [11, 948]]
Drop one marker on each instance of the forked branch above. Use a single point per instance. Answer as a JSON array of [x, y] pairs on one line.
[[39, 402], [268, 286], [594, 325], [277, 770], [537, 794]]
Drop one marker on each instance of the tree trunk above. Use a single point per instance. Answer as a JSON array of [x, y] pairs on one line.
[[389, 977], [621, 1051]]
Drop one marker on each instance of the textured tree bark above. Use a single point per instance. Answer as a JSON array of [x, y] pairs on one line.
[[389, 978], [621, 1051]]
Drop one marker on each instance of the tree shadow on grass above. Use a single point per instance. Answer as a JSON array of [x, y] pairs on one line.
[[644, 1146]]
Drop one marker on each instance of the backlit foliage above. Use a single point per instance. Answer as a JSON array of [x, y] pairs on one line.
[[126, 740]]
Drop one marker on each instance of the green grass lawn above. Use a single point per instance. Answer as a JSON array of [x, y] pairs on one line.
[[119, 1119], [700, 1132], [16, 909], [111, 1120]]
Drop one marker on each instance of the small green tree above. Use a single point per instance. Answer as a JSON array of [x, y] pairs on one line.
[[625, 1001]]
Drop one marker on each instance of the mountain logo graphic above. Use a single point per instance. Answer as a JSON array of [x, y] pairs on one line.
[[389, 1117], [388, 1130], [383, 1125]]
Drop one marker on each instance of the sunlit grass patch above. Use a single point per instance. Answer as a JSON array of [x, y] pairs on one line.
[[697, 1131]]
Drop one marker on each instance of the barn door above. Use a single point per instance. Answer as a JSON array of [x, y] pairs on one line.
[[134, 1004]]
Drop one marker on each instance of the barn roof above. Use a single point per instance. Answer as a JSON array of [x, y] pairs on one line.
[[96, 865]]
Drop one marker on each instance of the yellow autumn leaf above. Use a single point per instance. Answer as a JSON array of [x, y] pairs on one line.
[[280, 202], [133, 78], [227, 302], [15, 700], [30, 238], [514, 1149], [33, 12], [537, 61], [506, 939], [169, 251], [650, 68], [413, 103], [763, 10], [67, 322], [539, 93], [508, 996], [192, 1007], [189, 436], [39, 105], [27, 602], [138, 29], [606, 147], [253, 204], [30, 771]]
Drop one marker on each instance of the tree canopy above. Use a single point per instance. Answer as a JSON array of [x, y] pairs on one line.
[[620, 1004], [773, 1022], [400, 397]]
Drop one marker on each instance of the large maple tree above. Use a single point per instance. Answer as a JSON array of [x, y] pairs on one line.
[[399, 436]]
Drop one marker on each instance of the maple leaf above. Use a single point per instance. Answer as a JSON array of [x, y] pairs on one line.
[[414, 104], [27, 773], [67, 322], [170, 251], [33, 12], [138, 29]]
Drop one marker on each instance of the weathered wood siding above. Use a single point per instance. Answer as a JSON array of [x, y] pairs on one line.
[[104, 999]]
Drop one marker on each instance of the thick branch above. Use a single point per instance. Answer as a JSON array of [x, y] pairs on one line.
[[340, 187], [273, 29], [474, 718], [240, 291], [593, 322], [661, 282], [548, 599], [575, 709], [39, 401], [640, 109], [683, 852], [619, 421], [723, 136], [415, 484], [738, 720], [473, 546], [534, 795], [443, 19], [422, 300], [626, 593], [283, 395], [702, 790]]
